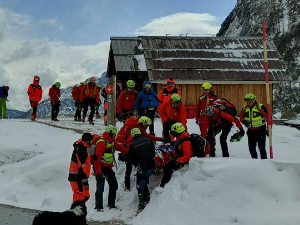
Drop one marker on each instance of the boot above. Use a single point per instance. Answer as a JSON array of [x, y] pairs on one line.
[[142, 204]]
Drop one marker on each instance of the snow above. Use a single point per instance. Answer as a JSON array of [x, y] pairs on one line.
[[34, 163]]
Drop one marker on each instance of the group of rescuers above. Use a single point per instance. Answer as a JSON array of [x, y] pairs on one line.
[[137, 146]]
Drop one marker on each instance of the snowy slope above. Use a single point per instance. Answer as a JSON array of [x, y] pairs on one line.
[[236, 190]]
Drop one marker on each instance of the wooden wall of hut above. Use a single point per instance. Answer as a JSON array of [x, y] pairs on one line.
[[233, 92]]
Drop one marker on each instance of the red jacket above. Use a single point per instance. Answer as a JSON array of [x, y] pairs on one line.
[[144, 133], [76, 92], [167, 112], [166, 93], [203, 102], [183, 149], [89, 91], [126, 100], [35, 91], [219, 118], [101, 147], [54, 94]]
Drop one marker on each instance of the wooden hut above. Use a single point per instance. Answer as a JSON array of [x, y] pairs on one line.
[[234, 66]]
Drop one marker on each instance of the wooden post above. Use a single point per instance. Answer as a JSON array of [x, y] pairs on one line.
[[269, 119], [111, 101]]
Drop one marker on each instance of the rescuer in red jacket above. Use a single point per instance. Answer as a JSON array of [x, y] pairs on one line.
[[76, 97], [54, 94], [35, 94], [215, 121], [166, 93], [89, 96], [205, 100], [126, 101], [103, 164], [172, 111]]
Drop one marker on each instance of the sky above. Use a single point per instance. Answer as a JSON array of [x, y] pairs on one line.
[[68, 41], [210, 191]]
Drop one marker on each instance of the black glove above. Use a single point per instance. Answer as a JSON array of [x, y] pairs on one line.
[[242, 132], [172, 162], [165, 140], [267, 132], [121, 157], [118, 116], [246, 123]]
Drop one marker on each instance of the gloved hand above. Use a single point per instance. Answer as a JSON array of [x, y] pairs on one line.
[[197, 122], [246, 123], [121, 157], [242, 132], [267, 132], [172, 162], [118, 116]]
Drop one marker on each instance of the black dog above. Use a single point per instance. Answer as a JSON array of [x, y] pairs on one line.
[[74, 216]]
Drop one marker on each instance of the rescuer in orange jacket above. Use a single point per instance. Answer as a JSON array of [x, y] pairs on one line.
[[80, 168], [183, 149], [105, 160], [35, 94], [89, 96], [215, 121], [166, 93], [172, 111]]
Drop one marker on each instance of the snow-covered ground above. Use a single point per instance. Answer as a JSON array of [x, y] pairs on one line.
[[34, 163]]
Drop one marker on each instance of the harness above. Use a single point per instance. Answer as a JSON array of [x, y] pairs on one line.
[[108, 156]]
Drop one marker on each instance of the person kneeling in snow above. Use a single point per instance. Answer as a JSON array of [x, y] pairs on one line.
[[183, 148], [141, 155]]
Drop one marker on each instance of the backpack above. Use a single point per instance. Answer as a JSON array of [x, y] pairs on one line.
[[124, 132], [1, 91], [198, 145], [225, 106]]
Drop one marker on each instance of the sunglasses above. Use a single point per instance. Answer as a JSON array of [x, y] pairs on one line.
[[248, 100], [171, 84]]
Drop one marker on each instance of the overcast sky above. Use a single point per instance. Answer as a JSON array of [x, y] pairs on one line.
[[68, 40]]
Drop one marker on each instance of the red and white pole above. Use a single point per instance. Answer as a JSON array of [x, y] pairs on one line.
[[269, 119]]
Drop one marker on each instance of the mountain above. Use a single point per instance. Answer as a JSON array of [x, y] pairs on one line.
[[282, 19], [67, 103]]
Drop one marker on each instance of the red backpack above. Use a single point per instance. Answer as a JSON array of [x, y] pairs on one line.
[[225, 106], [122, 135]]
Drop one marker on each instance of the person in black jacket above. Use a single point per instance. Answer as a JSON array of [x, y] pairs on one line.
[[141, 155]]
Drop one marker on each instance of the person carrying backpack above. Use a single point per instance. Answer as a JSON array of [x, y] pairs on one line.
[[215, 121], [76, 97], [141, 155], [126, 101], [103, 164], [183, 148], [89, 96], [206, 99], [172, 111], [254, 116], [166, 93], [146, 103], [35, 94], [124, 138], [54, 94], [3, 99]]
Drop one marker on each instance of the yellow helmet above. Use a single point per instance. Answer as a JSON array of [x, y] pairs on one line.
[[144, 120], [177, 128], [135, 131], [206, 86], [111, 129]]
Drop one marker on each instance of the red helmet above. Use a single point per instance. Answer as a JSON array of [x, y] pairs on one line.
[[171, 80]]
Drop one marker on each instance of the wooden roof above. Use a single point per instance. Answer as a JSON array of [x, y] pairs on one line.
[[198, 59]]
